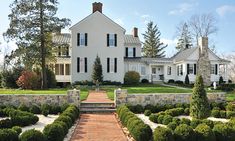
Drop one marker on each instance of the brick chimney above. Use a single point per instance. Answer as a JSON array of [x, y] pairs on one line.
[[135, 32], [203, 44], [97, 6]]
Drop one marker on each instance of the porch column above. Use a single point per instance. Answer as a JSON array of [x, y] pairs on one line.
[[150, 73]]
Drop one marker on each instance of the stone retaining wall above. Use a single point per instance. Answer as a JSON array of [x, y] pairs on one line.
[[122, 97], [72, 97]]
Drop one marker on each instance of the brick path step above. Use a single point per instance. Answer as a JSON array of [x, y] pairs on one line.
[[97, 107]]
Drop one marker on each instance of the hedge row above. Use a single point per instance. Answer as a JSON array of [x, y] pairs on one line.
[[138, 129]]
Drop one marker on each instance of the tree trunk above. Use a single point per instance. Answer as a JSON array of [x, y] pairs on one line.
[[43, 60]]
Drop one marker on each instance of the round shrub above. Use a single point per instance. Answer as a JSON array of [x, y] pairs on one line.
[[5, 123], [223, 132], [153, 118], [149, 107], [55, 109], [167, 119], [8, 135], [142, 132], [17, 129], [186, 111], [144, 81], [131, 78], [222, 114], [230, 114], [195, 122], [35, 109], [64, 125], [215, 113], [147, 112], [176, 120], [204, 133], [230, 107], [23, 107], [160, 119], [54, 132], [65, 119], [45, 108], [172, 125], [32, 135], [185, 121], [210, 123], [184, 132], [136, 108], [162, 134], [45, 112]]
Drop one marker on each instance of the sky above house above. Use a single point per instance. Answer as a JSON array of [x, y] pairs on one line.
[[167, 14]]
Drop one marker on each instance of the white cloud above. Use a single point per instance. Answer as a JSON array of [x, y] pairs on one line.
[[222, 10], [182, 8], [169, 41], [119, 21]]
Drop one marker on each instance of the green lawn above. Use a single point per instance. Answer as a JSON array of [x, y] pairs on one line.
[[230, 96]]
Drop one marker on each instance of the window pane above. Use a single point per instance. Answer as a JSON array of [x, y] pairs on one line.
[[143, 71], [82, 39], [130, 52], [190, 68], [56, 69], [169, 70], [111, 40], [111, 65], [67, 69], [82, 68], [61, 69], [212, 69]]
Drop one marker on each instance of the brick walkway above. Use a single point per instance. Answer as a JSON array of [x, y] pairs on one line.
[[100, 96], [98, 127]]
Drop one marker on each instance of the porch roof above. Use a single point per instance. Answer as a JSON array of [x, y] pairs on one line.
[[63, 38], [149, 60]]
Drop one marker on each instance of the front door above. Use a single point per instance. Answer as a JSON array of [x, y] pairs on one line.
[[157, 73], [154, 74]]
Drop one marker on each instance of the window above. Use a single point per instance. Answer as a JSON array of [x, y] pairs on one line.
[[143, 70], [111, 65], [190, 68], [130, 52], [82, 39], [82, 65], [214, 69], [67, 69], [57, 69], [63, 51], [111, 40], [180, 70], [61, 69], [168, 70]]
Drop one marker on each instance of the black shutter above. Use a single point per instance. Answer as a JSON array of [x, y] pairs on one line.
[[126, 51], [108, 61], [78, 39], [78, 64], [107, 40], [134, 52], [67, 51], [187, 68], [181, 69], [115, 65], [216, 69], [195, 69], [85, 64], [85, 39], [115, 40], [59, 51]]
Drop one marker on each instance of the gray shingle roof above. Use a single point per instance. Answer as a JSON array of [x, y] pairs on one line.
[[131, 40], [183, 54], [149, 60], [63, 38]]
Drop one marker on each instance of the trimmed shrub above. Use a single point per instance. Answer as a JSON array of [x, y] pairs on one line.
[[35, 109], [160, 119], [65, 119], [204, 133], [51, 80], [186, 111], [221, 80], [136, 108], [195, 122], [147, 112], [131, 78], [230, 114], [175, 111], [45, 109], [230, 107], [6, 123], [199, 105], [184, 132], [162, 134], [8, 135], [153, 118], [167, 119], [144, 81], [150, 107], [54, 132], [179, 82], [185, 121], [172, 125], [210, 123], [222, 114], [64, 125], [215, 113], [176, 120], [23, 107], [17, 129], [171, 81], [55, 109], [223, 132], [186, 81], [32, 135], [28, 80]]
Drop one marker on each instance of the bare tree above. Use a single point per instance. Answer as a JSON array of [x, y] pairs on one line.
[[203, 25], [231, 66]]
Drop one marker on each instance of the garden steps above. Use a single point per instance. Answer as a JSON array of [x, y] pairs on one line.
[[97, 107]]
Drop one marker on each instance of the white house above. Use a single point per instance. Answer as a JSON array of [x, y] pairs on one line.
[[98, 35]]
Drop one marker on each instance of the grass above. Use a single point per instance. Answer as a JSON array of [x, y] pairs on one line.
[[230, 96]]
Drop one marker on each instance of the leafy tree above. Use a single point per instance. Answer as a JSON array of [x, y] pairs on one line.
[[153, 47], [185, 38], [186, 81], [97, 70], [199, 106], [31, 22]]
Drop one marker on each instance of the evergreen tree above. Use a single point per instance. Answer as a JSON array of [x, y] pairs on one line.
[[185, 39], [186, 81], [97, 70], [199, 105], [31, 22], [153, 47]]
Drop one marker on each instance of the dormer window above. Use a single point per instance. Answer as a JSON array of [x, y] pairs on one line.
[[82, 39], [111, 40]]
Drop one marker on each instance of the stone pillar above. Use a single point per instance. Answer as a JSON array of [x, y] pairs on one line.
[[203, 64], [73, 97], [120, 97]]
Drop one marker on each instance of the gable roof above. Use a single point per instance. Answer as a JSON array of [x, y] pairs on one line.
[[131, 40], [183, 54], [98, 13], [63, 38]]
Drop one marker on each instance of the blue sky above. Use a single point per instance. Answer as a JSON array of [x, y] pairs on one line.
[[167, 14]]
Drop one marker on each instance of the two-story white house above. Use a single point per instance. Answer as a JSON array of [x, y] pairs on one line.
[[98, 35]]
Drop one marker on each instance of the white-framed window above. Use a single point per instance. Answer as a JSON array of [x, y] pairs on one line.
[[67, 69], [111, 40], [81, 65], [82, 68], [59, 69], [143, 70], [168, 70], [180, 70], [212, 68], [190, 68], [130, 52], [82, 39], [111, 65]]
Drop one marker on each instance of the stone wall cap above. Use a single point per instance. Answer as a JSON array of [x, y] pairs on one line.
[[35, 94]]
